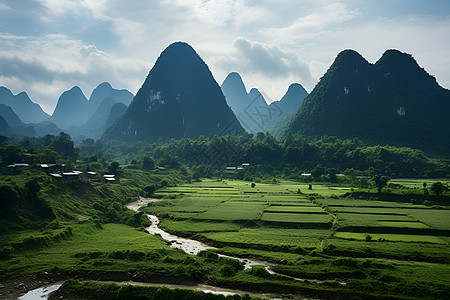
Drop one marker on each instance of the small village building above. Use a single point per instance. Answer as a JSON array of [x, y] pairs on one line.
[[110, 178], [71, 175], [230, 168], [53, 168], [91, 175], [305, 174], [16, 168], [56, 175], [14, 165]]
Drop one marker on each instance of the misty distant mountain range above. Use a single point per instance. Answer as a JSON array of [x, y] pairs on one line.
[[251, 108], [393, 101], [74, 113]]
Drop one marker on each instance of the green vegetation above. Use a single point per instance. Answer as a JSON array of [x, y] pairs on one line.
[[96, 290], [391, 237], [334, 107], [388, 243]]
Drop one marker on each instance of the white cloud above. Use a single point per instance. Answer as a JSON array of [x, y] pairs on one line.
[[269, 59], [87, 50], [48, 46], [318, 22], [56, 60]]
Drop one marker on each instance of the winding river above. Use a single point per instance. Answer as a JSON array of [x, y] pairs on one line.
[[189, 246]]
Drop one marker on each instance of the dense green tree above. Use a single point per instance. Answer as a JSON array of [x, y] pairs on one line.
[[148, 163], [113, 167], [150, 189], [12, 153], [8, 198], [64, 145], [380, 181], [438, 188]]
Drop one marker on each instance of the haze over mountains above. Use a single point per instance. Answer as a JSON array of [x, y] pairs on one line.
[[178, 99], [21, 104], [393, 101], [74, 114], [252, 109]]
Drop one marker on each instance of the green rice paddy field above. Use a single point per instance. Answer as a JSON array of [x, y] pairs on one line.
[[274, 222], [233, 213], [374, 247]]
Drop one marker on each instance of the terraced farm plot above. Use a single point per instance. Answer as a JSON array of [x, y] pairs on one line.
[[391, 237], [418, 183], [365, 203], [307, 238], [370, 220], [189, 190], [440, 252], [369, 210], [287, 187], [295, 209], [185, 207], [194, 227], [286, 199], [306, 203], [181, 215], [260, 254], [233, 211], [195, 203], [417, 225], [436, 218], [297, 218]]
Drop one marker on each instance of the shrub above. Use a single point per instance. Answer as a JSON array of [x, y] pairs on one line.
[[6, 252]]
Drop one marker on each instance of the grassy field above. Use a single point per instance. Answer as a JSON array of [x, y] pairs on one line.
[[295, 209], [391, 237], [233, 211], [193, 226], [375, 247], [86, 239], [308, 238], [297, 218], [418, 183]]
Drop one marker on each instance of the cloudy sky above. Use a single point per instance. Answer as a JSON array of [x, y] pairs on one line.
[[48, 46]]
